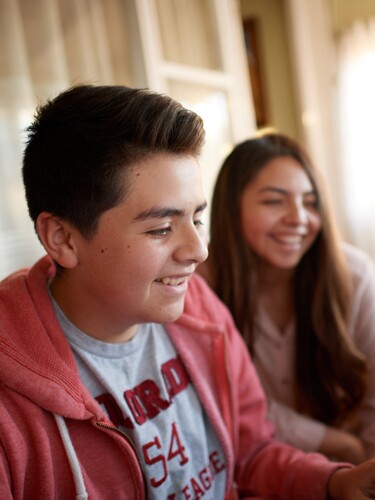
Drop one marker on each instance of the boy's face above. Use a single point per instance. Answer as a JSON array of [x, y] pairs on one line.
[[137, 266]]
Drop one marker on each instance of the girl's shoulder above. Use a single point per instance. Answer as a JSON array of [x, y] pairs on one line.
[[358, 261]]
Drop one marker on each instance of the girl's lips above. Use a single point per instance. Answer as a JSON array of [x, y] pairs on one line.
[[288, 239], [288, 242]]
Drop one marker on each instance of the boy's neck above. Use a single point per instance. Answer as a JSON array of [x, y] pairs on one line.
[[89, 320]]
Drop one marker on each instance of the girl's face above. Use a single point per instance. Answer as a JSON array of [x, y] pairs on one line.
[[279, 215]]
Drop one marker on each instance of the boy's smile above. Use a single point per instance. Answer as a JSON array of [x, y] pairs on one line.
[[136, 267]]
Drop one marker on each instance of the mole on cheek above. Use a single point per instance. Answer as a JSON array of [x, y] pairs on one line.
[[102, 250]]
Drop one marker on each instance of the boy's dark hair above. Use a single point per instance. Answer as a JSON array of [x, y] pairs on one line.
[[81, 143]]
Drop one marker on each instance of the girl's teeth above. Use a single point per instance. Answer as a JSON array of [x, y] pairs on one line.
[[290, 239]]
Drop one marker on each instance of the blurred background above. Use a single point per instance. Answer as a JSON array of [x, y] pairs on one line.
[[305, 68]]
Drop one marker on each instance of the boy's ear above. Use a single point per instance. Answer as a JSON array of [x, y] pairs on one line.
[[57, 238]]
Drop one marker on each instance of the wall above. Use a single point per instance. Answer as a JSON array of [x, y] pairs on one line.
[[275, 53], [276, 63], [344, 12]]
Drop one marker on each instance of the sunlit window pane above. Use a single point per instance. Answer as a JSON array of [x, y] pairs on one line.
[[188, 32]]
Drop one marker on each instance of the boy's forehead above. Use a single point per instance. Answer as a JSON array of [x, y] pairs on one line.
[[154, 159], [164, 179], [164, 166]]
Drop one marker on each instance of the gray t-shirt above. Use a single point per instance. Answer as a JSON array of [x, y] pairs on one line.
[[147, 393]]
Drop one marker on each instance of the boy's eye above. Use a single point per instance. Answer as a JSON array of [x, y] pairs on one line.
[[198, 223], [163, 231]]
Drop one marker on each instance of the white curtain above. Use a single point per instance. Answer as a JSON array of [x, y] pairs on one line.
[[356, 108], [46, 45]]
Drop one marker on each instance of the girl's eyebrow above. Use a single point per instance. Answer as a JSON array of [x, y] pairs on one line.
[[283, 191], [273, 190], [163, 212]]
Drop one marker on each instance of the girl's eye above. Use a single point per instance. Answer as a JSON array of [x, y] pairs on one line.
[[313, 203], [272, 202], [163, 231]]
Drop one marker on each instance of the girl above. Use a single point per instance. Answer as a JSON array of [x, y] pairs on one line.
[[303, 301]]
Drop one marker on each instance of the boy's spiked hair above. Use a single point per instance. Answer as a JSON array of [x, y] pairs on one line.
[[83, 141]]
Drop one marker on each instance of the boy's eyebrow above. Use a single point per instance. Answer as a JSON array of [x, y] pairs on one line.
[[162, 212], [283, 191]]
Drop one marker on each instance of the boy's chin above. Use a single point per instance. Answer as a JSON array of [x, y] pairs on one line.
[[173, 314]]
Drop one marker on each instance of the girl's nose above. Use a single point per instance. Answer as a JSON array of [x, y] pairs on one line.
[[297, 213]]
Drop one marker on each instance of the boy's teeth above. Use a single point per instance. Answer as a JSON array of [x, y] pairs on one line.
[[172, 281]]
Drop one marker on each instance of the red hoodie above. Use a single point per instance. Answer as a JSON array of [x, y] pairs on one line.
[[56, 441]]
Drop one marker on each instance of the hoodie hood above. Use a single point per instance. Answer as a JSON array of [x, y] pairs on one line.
[[31, 338]]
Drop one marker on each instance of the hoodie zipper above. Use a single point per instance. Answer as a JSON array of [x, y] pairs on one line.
[[130, 441]]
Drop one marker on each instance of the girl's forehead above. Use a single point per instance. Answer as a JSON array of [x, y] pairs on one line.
[[284, 171]]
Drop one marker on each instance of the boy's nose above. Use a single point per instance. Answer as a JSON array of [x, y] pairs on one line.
[[193, 248]]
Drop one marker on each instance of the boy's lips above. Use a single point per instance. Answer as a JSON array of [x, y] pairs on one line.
[[173, 281]]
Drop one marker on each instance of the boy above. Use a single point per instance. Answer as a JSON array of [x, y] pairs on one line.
[[122, 374]]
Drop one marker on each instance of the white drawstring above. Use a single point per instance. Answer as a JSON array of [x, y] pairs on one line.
[[81, 493]]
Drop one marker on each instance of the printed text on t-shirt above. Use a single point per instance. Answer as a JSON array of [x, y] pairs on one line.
[[144, 400]]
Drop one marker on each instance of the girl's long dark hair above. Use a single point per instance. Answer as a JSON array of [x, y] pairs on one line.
[[330, 373]]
